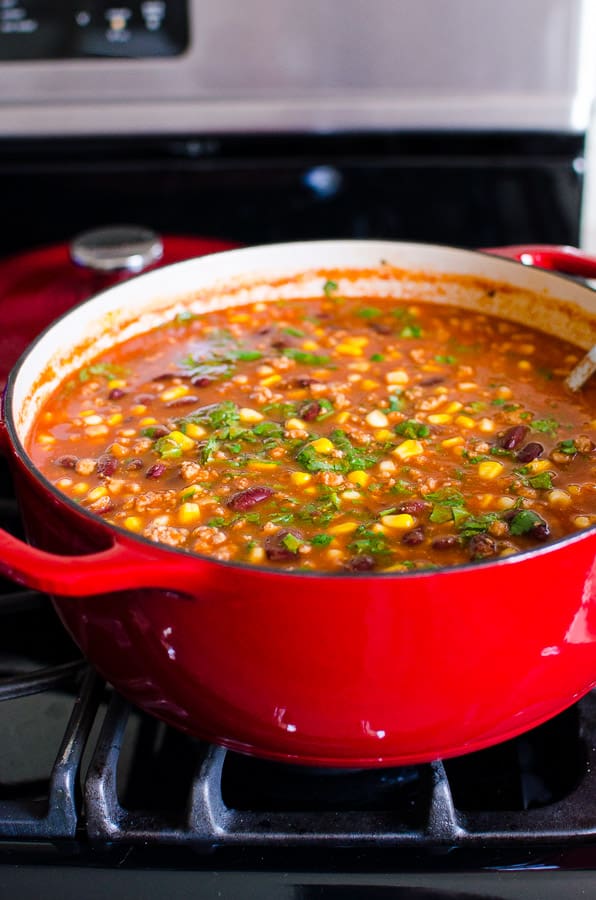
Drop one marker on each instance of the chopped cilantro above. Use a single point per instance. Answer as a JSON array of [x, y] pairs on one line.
[[368, 312], [167, 448], [411, 331], [476, 524], [447, 497], [329, 288], [282, 518], [411, 428], [440, 514], [248, 355], [369, 542], [185, 316], [321, 540], [542, 482], [377, 357], [353, 458], [548, 425], [216, 522], [293, 332], [396, 403], [445, 360], [308, 359], [569, 447], [525, 520], [101, 370]]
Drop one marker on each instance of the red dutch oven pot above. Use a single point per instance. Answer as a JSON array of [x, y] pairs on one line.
[[314, 668]]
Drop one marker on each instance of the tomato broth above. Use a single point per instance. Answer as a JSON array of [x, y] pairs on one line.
[[329, 433]]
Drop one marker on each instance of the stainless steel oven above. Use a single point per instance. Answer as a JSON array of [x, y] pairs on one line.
[[465, 124]]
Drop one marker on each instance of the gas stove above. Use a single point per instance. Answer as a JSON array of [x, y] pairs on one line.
[[222, 124]]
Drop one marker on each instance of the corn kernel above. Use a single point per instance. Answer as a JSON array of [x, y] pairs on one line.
[[310, 345], [465, 422], [181, 440], [383, 434], [81, 487], [408, 449], [250, 416], [452, 441], [300, 478], [559, 498], [64, 483], [377, 419], [387, 465], [349, 349], [574, 489], [256, 555], [312, 490], [486, 425], [271, 379], [359, 477], [504, 392], [486, 500], [467, 386], [97, 493], [116, 383], [582, 521], [118, 450], [351, 495], [489, 468], [189, 513], [402, 521], [46, 439], [506, 502], [334, 556], [115, 419], [322, 445], [369, 385], [133, 523], [295, 425], [538, 465], [240, 317], [148, 420], [439, 418], [96, 430], [261, 465], [398, 376], [174, 393], [524, 364], [195, 431], [342, 417], [378, 528], [139, 410], [453, 407], [343, 528]]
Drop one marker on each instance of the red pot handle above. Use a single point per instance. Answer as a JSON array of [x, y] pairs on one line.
[[123, 566], [568, 260]]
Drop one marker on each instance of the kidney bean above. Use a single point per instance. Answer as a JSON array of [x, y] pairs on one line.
[[305, 381], [541, 531], [481, 546], [362, 563], [167, 376], [380, 327], [429, 382], [310, 410], [134, 464], [187, 400], [67, 462], [158, 431], [248, 498], [276, 550], [531, 451], [513, 437], [145, 398], [445, 543], [156, 470], [279, 344], [413, 507], [116, 394], [201, 381], [413, 537], [106, 465]]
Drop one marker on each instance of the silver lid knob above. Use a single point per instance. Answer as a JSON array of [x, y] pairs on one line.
[[117, 247]]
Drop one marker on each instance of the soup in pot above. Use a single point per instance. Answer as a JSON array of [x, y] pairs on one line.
[[329, 433]]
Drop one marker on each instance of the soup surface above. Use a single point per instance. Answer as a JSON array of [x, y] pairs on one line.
[[331, 434]]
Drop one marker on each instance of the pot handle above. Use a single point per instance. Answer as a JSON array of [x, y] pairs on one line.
[[567, 260], [123, 566]]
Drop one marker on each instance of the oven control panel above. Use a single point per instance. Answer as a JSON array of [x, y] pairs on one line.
[[80, 29]]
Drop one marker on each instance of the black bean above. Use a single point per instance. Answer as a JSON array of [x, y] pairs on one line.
[[445, 543], [481, 546], [156, 470], [67, 462], [540, 531], [362, 563], [531, 451], [380, 327], [106, 465], [413, 537], [249, 497], [513, 437], [310, 410], [279, 344], [116, 394], [413, 507], [276, 550]]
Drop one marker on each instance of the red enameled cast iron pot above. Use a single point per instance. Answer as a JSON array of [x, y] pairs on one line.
[[321, 669]]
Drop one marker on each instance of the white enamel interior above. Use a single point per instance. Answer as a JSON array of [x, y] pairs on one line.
[[556, 305]]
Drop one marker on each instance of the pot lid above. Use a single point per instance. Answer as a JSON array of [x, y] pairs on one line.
[[39, 285]]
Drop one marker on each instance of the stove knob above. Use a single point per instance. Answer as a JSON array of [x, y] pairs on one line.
[[117, 248]]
